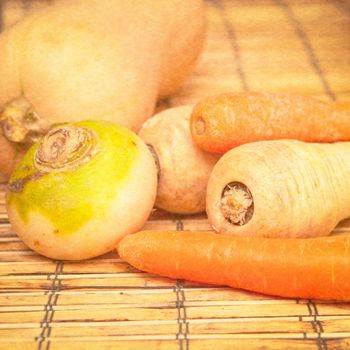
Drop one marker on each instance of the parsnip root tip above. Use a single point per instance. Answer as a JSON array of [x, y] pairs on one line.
[[236, 204]]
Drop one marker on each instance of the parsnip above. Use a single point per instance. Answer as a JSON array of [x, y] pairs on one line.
[[282, 188]]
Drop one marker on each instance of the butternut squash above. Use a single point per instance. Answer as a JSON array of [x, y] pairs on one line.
[[95, 59]]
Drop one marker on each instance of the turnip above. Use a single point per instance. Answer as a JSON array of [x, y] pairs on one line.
[[80, 189], [184, 169]]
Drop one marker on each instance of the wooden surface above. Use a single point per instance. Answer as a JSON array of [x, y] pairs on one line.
[[283, 45]]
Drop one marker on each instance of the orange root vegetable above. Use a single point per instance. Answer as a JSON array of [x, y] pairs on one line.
[[221, 122], [281, 188], [315, 268], [184, 169]]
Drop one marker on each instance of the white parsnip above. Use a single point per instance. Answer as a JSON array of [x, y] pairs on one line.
[[283, 188]]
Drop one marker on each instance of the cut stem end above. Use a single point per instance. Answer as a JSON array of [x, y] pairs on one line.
[[237, 204], [64, 148], [200, 126], [20, 123]]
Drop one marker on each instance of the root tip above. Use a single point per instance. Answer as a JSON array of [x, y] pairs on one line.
[[237, 205]]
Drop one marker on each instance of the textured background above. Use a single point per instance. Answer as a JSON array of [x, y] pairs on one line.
[[295, 45]]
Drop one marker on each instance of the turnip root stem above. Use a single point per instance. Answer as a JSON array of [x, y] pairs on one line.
[[65, 147]]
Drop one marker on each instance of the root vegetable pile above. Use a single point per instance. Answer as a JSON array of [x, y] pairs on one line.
[[85, 186], [269, 199]]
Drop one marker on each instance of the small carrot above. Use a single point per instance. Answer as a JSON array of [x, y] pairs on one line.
[[224, 121], [315, 268], [280, 189]]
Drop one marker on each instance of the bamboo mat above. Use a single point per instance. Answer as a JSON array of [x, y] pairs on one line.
[[282, 45]]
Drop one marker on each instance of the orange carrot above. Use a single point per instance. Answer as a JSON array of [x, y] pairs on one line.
[[315, 268], [221, 122]]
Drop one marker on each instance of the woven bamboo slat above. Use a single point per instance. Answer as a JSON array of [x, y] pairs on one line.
[[277, 45]]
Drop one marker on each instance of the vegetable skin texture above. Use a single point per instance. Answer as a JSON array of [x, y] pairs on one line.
[[110, 74], [315, 268], [224, 121], [110, 60], [10, 156], [184, 169], [299, 189], [82, 209]]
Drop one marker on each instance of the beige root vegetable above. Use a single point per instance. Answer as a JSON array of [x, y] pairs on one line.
[[80, 189], [184, 169], [284, 188], [10, 154], [95, 59]]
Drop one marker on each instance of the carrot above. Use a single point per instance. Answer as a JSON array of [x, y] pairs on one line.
[[221, 122], [280, 188], [315, 268]]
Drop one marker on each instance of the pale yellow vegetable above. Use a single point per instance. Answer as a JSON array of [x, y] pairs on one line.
[[95, 59], [281, 188], [80, 189], [184, 169]]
